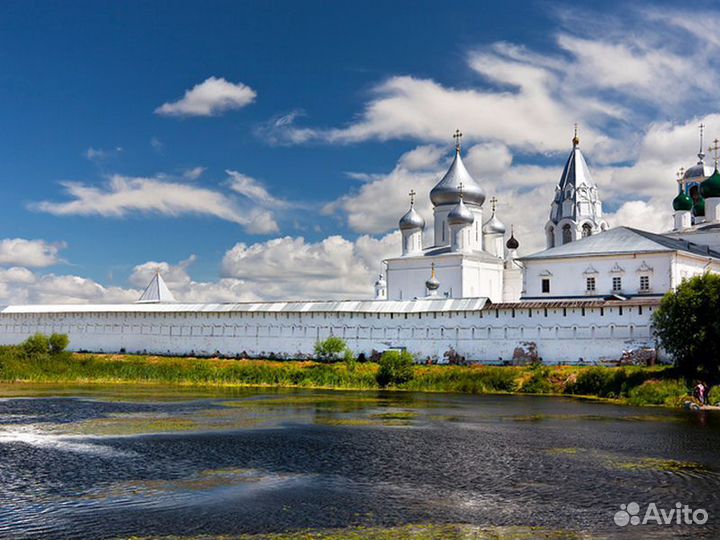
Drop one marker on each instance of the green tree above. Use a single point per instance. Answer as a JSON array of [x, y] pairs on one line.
[[687, 325], [396, 367], [35, 346], [332, 349], [58, 343]]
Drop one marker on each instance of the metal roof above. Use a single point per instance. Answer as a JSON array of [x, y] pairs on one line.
[[156, 292], [590, 303], [622, 240], [421, 305]]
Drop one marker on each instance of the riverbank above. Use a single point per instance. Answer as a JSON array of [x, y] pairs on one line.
[[634, 385]]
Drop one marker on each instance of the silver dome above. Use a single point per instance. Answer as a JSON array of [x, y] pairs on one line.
[[411, 220], [698, 172], [493, 226], [447, 191], [432, 284], [460, 215]]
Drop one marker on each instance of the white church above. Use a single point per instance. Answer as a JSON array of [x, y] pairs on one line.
[[588, 297]]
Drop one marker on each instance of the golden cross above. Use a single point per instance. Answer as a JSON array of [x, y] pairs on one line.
[[576, 139], [457, 136], [680, 176], [412, 196], [714, 149], [493, 202]]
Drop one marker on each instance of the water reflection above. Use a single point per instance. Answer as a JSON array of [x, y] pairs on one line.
[[108, 463]]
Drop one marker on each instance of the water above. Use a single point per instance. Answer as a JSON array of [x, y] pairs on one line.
[[113, 463]]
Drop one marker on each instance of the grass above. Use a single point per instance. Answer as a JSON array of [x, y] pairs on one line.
[[425, 531], [636, 385]]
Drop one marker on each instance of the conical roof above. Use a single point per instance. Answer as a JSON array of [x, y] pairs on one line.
[[576, 180], [447, 191], [156, 292]]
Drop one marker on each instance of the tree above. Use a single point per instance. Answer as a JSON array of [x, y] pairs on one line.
[[58, 343], [396, 367], [35, 345], [687, 325], [332, 349]]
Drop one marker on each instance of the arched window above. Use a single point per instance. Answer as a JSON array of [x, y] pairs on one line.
[[586, 230], [566, 234], [551, 237]]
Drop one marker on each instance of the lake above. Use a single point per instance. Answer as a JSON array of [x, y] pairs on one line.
[[114, 462]]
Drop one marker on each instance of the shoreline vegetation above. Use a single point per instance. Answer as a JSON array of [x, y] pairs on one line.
[[36, 363]]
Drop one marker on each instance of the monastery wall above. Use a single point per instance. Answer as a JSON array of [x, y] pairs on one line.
[[560, 331]]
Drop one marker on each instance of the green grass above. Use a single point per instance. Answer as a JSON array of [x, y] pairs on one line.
[[637, 385]]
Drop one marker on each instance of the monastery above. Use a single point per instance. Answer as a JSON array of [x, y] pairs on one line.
[[588, 297]]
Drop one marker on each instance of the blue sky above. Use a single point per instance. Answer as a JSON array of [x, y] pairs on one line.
[[312, 119]]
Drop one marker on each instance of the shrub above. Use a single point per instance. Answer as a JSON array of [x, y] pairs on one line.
[[332, 349], [714, 396], [58, 343], [396, 367], [35, 346], [538, 383], [655, 392]]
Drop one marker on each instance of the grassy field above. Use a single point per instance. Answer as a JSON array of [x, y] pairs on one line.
[[636, 385]]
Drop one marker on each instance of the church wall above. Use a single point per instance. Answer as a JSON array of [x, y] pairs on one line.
[[481, 279], [561, 332], [406, 277], [568, 276]]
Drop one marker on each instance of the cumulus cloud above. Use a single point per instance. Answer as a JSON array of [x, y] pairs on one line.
[[124, 195], [209, 98], [32, 253], [292, 268]]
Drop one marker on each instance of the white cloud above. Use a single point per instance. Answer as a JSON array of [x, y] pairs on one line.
[[100, 154], [194, 173], [291, 268], [633, 70], [124, 195], [209, 98], [252, 189], [32, 253]]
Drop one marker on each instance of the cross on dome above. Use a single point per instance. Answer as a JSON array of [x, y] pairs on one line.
[[576, 139], [412, 197], [457, 136], [493, 203], [714, 149]]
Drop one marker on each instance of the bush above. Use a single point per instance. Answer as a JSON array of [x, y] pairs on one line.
[[655, 392], [714, 396], [396, 368], [58, 343], [538, 383], [35, 346], [332, 349]]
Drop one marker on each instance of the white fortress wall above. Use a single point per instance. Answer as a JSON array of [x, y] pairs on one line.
[[561, 331]]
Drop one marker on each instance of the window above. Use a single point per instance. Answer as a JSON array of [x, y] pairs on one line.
[[590, 284], [566, 234], [546, 285], [586, 230], [644, 283], [551, 237], [617, 284]]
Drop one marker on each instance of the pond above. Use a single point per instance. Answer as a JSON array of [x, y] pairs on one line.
[[116, 462]]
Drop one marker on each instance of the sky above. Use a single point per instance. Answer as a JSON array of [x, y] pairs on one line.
[[264, 150]]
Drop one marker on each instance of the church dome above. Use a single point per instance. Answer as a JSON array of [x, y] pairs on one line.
[[432, 284], [512, 242], [699, 208], [447, 191], [682, 202], [493, 226], [710, 188], [460, 215], [411, 220], [697, 172]]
